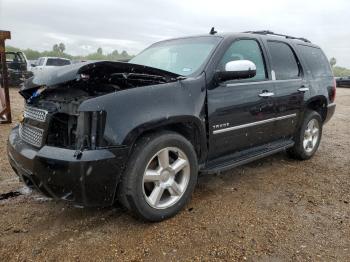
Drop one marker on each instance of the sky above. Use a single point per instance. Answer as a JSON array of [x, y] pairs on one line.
[[84, 25]]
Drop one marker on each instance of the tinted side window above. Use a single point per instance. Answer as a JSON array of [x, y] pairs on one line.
[[57, 62], [283, 61], [246, 50], [316, 61]]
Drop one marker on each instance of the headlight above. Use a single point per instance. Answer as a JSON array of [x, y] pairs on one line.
[[90, 130]]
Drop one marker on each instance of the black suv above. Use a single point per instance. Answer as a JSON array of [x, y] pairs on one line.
[[99, 132], [343, 81]]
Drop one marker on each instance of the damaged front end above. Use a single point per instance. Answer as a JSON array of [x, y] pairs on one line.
[[63, 151], [58, 94]]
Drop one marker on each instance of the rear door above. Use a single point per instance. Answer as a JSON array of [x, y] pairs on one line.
[[289, 85], [240, 111]]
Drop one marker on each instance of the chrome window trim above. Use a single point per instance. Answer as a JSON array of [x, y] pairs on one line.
[[219, 131], [264, 82]]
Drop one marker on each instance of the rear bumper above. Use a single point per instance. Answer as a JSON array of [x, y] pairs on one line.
[[90, 180], [330, 112]]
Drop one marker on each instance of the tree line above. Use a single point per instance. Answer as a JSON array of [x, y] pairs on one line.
[[338, 70], [58, 50]]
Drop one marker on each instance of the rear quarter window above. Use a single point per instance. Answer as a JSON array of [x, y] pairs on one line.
[[316, 61]]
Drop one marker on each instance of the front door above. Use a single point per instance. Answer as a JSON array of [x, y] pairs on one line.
[[241, 112]]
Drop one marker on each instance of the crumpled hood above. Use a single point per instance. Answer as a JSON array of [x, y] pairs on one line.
[[62, 75]]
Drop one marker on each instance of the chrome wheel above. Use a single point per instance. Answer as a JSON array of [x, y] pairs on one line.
[[166, 178], [311, 135]]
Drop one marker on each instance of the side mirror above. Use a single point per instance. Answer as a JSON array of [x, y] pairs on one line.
[[33, 65], [240, 69]]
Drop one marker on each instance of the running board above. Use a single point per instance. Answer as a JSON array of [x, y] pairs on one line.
[[235, 160]]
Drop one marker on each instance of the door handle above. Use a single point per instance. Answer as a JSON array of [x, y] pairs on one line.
[[266, 94], [303, 89]]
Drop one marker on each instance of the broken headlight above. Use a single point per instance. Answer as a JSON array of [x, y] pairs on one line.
[[90, 130]]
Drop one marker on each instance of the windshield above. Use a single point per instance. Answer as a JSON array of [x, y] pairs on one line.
[[180, 56]]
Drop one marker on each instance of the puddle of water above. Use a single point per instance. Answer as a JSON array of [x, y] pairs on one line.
[[10, 194]]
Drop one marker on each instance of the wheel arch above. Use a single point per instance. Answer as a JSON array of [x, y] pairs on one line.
[[190, 127], [318, 104]]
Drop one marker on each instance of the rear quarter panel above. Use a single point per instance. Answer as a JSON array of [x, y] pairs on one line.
[[319, 85]]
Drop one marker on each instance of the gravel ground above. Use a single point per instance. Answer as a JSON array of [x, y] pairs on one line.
[[271, 210]]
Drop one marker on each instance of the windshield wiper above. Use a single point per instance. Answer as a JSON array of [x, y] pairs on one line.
[[139, 76]]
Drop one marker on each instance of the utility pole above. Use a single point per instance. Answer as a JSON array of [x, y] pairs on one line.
[[5, 108]]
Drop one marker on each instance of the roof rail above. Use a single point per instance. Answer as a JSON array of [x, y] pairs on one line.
[[267, 32]]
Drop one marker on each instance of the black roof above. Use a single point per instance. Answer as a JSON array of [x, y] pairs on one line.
[[272, 36], [267, 32]]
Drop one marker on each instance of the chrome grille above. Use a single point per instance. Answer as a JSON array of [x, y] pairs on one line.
[[31, 135], [35, 113]]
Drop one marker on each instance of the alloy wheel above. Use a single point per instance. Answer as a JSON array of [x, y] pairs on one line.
[[166, 178], [311, 135]]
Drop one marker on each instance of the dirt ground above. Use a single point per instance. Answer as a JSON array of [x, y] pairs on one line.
[[275, 209]]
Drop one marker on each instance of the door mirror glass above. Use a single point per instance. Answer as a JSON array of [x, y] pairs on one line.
[[239, 69]]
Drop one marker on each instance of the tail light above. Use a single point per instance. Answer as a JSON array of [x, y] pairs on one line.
[[333, 91]]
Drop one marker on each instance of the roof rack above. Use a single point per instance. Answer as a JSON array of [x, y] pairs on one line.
[[267, 32]]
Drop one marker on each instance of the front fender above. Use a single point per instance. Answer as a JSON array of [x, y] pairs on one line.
[[131, 111]]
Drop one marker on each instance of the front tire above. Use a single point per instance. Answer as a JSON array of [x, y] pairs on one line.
[[160, 177], [308, 137]]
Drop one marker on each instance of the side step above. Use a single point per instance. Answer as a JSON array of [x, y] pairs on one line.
[[241, 158]]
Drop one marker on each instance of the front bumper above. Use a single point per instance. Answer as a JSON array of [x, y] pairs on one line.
[[90, 180], [330, 112]]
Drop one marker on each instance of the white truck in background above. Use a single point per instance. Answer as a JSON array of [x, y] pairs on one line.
[[46, 63]]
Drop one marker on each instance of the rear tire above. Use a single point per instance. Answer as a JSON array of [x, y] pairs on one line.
[[160, 177], [308, 137]]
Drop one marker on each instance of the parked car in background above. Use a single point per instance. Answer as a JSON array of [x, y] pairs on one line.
[[98, 132], [77, 61], [47, 63], [343, 81], [17, 68]]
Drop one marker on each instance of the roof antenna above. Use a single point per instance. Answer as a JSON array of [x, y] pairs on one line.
[[212, 31]]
